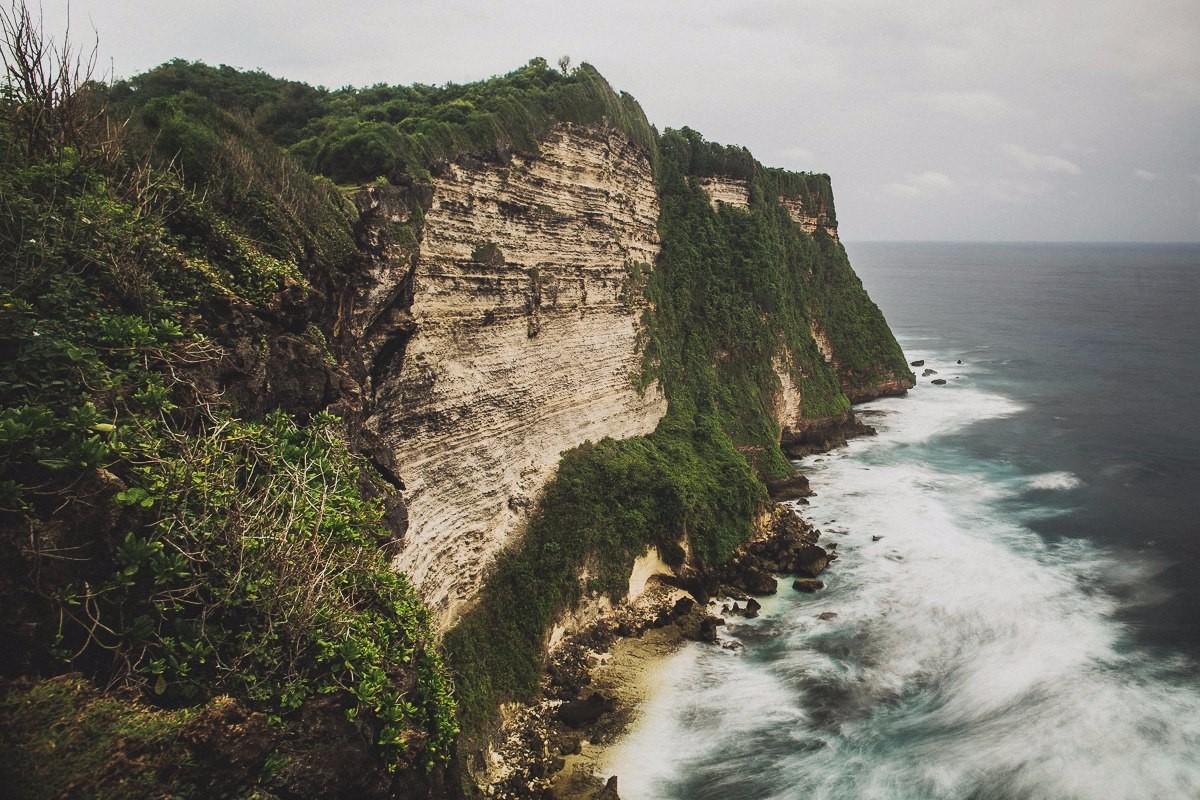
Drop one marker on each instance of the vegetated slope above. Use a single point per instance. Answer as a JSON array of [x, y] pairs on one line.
[[180, 516], [196, 329]]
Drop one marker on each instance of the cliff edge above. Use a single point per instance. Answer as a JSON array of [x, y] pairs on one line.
[[304, 391]]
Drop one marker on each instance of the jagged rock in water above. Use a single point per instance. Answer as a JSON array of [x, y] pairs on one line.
[[708, 628], [810, 561], [789, 488]]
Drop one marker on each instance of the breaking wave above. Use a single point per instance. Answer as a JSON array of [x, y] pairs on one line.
[[958, 655]]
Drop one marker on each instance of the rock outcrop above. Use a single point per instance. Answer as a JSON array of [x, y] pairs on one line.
[[525, 294], [723, 190]]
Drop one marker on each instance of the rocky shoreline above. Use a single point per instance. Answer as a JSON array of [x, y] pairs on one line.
[[597, 677]]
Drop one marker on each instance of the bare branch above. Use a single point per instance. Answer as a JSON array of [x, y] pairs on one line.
[[48, 86]]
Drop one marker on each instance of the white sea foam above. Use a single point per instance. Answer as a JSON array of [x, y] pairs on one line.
[[968, 659], [1054, 482]]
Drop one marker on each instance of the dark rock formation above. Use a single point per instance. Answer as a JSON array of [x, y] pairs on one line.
[[581, 713], [807, 585], [810, 561], [819, 435], [789, 488]]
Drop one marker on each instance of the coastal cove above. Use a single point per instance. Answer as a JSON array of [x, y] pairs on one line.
[[1010, 615]]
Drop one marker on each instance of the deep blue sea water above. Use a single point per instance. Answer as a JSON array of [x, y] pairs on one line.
[[1028, 623]]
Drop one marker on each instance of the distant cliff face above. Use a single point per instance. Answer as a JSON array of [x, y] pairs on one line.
[[522, 341], [736, 192], [860, 379]]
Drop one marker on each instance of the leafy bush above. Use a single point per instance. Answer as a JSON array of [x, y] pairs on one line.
[[355, 135], [255, 568], [149, 536]]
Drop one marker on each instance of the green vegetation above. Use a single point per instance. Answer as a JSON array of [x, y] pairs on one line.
[[62, 738], [152, 535], [608, 502], [356, 135]]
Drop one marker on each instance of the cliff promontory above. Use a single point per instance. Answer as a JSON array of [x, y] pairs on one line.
[[321, 411]]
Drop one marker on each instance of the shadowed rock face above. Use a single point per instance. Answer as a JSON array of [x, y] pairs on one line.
[[525, 299]]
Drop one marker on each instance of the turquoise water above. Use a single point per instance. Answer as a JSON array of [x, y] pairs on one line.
[[1022, 628]]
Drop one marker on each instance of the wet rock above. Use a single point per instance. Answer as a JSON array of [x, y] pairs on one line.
[[876, 538], [570, 743], [581, 713], [702, 585], [708, 628], [827, 615], [683, 606], [938, 381], [756, 580], [750, 611], [825, 433], [811, 561], [919, 363], [928, 372], [789, 488], [609, 792], [807, 585], [752, 608]]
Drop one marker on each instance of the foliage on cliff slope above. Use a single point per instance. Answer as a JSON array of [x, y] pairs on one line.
[[395, 131], [155, 534]]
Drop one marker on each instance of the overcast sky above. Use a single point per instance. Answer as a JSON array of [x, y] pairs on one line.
[[939, 119]]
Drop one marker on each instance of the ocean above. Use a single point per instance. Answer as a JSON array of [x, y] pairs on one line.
[[1016, 609]]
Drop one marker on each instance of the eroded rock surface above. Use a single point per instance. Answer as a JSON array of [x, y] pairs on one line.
[[525, 296]]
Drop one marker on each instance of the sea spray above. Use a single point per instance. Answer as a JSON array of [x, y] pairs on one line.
[[957, 655]]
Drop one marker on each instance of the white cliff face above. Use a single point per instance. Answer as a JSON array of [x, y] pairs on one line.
[[526, 300], [726, 191], [788, 407]]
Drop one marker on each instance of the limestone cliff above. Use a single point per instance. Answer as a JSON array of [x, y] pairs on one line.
[[524, 316], [498, 324]]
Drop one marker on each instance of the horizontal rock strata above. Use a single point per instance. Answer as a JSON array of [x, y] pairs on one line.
[[525, 302]]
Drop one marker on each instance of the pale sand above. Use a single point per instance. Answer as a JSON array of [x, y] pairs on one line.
[[630, 673]]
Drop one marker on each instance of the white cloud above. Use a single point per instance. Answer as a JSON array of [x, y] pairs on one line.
[[974, 106], [1007, 190], [1195, 178], [924, 184], [1042, 163], [1145, 175]]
